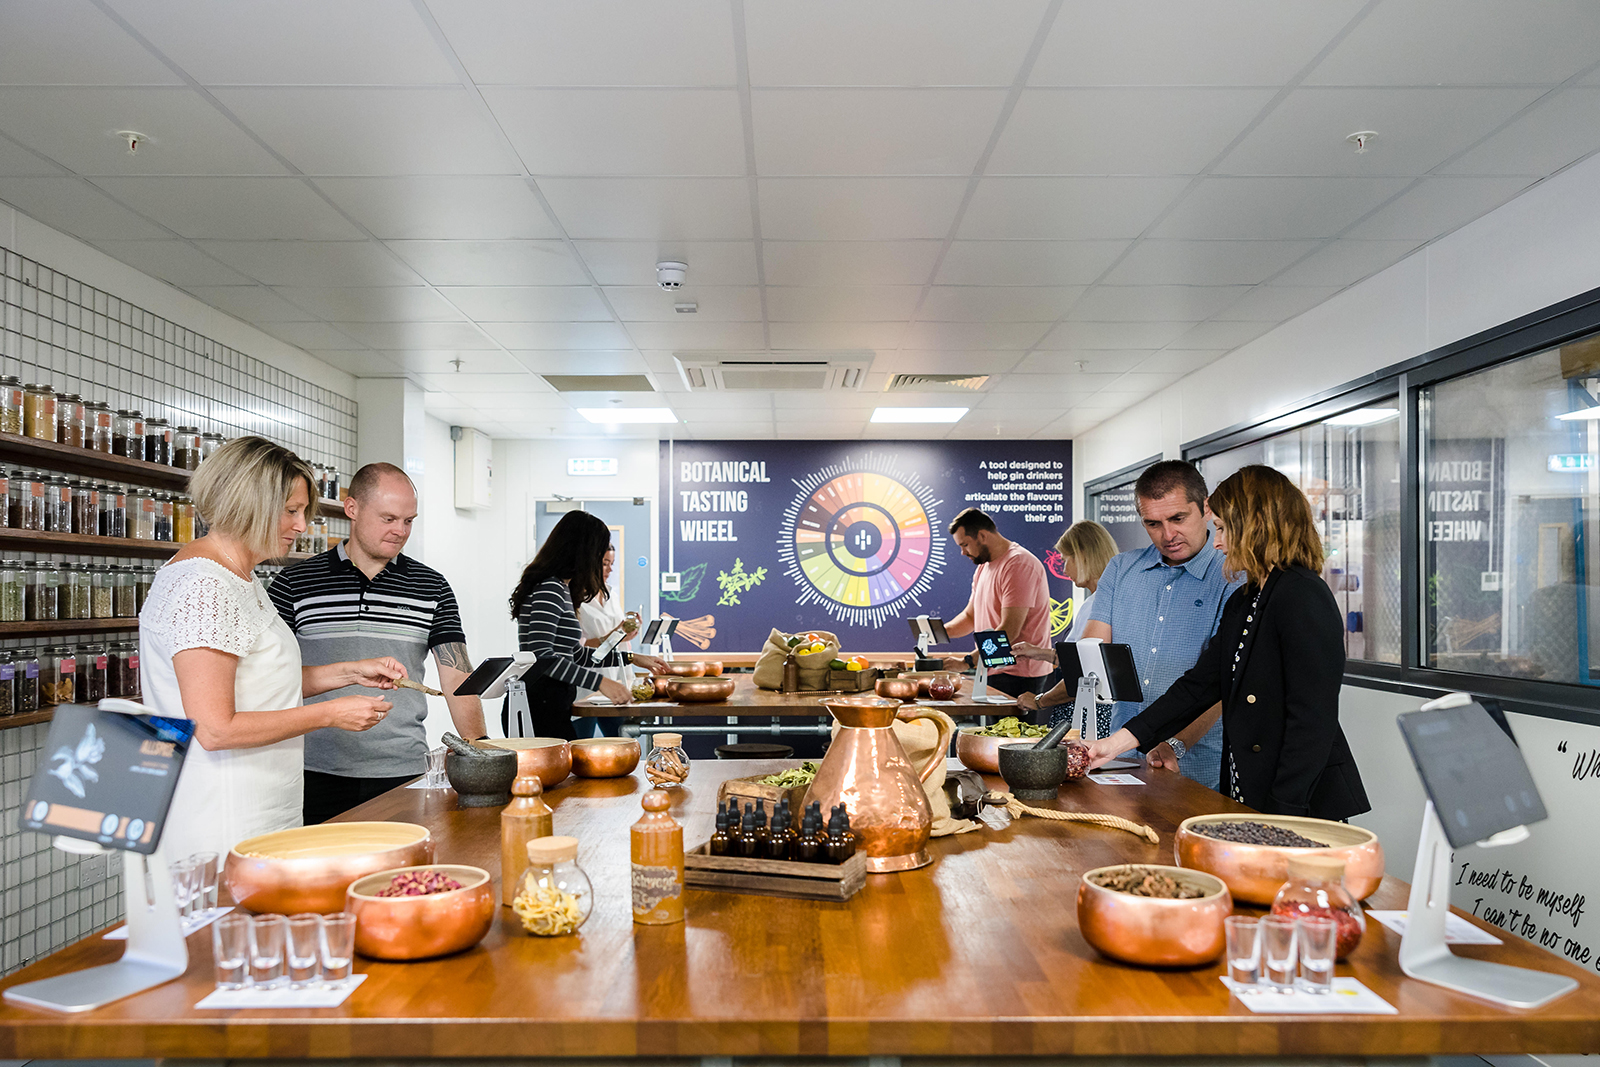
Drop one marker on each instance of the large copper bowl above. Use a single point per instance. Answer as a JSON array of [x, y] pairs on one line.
[[548, 759], [713, 668], [683, 669], [700, 690], [1151, 932], [604, 757], [308, 868], [1255, 873], [982, 754], [416, 928], [896, 688]]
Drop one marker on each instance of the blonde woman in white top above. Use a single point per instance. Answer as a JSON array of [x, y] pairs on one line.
[[213, 649]]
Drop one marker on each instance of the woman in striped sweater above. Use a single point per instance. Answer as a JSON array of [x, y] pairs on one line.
[[566, 570]]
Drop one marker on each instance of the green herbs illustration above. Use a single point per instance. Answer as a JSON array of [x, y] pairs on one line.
[[690, 585], [737, 581]]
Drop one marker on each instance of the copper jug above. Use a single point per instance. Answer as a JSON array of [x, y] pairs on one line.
[[867, 771]]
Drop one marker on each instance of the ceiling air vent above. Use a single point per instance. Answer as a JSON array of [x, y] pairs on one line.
[[774, 373], [934, 383], [599, 383]]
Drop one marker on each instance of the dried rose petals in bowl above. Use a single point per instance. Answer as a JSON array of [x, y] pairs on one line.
[[419, 884]]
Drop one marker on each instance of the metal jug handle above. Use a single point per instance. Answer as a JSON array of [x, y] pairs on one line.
[[946, 727]]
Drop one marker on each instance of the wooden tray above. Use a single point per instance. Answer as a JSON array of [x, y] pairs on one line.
[[775, 878], [860, 681], [752, 789]]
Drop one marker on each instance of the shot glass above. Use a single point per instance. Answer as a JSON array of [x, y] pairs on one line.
[[338, 946], [1317, 940], [185, 878], [1244, 949], [436, 778], [305, 949], [266, 950], [210, 868], [230, 947], [1278, 952]]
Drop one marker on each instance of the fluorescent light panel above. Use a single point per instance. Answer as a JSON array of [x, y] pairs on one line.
[[918, 414], [1364, 417], [1586, 414], [617, 416]]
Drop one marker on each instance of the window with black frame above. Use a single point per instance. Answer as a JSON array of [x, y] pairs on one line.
[[1510, 485], [1349, 468], [1114, 508]]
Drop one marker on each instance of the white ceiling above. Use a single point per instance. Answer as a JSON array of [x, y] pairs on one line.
[[1084, 199]]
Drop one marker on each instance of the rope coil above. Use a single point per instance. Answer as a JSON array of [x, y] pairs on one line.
[[1016, 809]]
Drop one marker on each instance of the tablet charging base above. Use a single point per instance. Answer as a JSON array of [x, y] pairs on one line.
[[156, 950], [518, 713], [1085, 717], [980, 688]]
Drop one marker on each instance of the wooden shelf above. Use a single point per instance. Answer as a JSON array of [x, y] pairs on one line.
[[331, 509], [40, 627], [49, 455], [83, 544], [12, 722]]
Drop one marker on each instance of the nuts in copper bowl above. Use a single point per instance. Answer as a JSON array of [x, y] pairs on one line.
[[419, 925], [308, 868], [604, 757], [700, 690], [548, 759], [1255, 872], [896, 688], [1153, 931]]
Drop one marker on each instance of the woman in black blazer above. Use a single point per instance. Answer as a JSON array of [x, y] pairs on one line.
[[1276, 662]]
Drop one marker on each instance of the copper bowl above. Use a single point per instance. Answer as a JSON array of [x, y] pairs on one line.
[[416, 928], [713, 668], [1255, 873], [1151, 932], [700, 690], [896, 688], [683, 670], [308, 868], [604, 757], [548, 759], [980, 753]]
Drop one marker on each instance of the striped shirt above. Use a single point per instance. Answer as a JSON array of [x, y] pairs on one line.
[[548, 627], [339, 614]]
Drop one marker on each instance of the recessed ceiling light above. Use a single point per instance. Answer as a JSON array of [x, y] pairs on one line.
[[620, 415], [686, 307], [918, 414], [1364, 417]]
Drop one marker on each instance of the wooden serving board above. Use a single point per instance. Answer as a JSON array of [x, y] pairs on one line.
[[775, 878]]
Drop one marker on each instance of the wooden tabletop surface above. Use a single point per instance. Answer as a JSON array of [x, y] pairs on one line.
[[748, 700], [976, 955], [747, 660]]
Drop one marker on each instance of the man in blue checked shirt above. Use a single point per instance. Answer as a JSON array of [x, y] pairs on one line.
[[1165, 602]]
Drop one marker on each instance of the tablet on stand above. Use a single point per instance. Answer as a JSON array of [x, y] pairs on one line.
[[992, 649], [1105, 673], [657, 640], [1474, 775], [105, 784], [925, 633], [500, 676]]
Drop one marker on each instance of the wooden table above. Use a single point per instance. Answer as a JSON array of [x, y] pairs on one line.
[[747, 660], [977, 955], [750, 701]]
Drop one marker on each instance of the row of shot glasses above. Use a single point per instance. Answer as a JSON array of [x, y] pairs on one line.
[[274, 951], [1267, 953]]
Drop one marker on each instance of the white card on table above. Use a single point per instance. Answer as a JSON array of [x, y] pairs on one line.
[[1115, 779], [1457, 931], [318, 996], [1349, 997], [198, 921]]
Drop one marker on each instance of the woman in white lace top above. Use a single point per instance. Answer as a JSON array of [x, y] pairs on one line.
[[214, 650]]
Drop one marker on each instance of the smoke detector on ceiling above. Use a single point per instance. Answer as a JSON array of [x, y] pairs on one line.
[[671, 274]]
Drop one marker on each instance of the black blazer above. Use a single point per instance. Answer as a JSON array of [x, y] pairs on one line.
[[1280, 712]]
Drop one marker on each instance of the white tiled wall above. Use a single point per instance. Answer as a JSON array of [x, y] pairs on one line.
[[85, 340]]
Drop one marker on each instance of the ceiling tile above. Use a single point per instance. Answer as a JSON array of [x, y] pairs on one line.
[[528, 303], [590, 42], [1206, 262], [696, 336], [1154, 303], [918, 361], [405, 335], [1122, 131], [252, 303], [586, 363], [1102, 335], [623, 131], [1417, 130], [872, 131], [1346, 262], [71, 42], [17, 161], [1067, 208], [974, 335], [1101, 365], [1027, 262], [474, 362], [1179, 42], [1464, 42], [1435, 206], [633, 263], [844, 209], [1179, 361], [360, 362], [1222, 334], [557, 335], [1275, 209], [292, 42], [1562, 129], [490, 383], [78, 129], [849, 262], [311, 335], [651, 209], [412, 303], [442, 206], [307, 263], [890, 42], [997, 303], [491, 262], [172, 261], [854, 303], [75, 207], [234, 209], [836, 336], [405, 130], [714, 303], [1271, 303]]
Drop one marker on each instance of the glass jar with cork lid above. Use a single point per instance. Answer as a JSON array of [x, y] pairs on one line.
[[10, 404], [555, 896]]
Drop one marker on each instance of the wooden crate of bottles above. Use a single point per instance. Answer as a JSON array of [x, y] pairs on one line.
[[861, 681], [775, 878]]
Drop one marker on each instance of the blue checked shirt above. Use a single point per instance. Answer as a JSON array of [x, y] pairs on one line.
[[1167, 614]]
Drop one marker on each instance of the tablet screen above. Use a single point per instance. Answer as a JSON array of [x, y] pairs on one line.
[[994, 648], [482, 678], [1473, 773]]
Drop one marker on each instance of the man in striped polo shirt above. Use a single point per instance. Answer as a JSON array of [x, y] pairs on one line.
[[361, 599]]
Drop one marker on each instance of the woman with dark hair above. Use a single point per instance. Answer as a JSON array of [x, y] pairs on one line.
[[1276, 662], [568, 569]]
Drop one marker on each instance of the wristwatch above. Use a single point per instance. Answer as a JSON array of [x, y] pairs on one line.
[[1178, 747]]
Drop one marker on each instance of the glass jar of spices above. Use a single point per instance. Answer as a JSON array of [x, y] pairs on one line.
[[58, 675], [47, 586], [127, 434], [58, 498], [183, 520], [18, 505], [124, 596], [36, 490], [142, 581], [164, 531], [39, 411], [25, 667], [99, 424], [69, 419], [319, 535], [102, 593], [186, 447], [8, 686], [5, 497], [10, 404], [78, 583], [13, 591], [84, 506], [158, 442], [114, 511], [93, 671], [128, 666], [141, 514]]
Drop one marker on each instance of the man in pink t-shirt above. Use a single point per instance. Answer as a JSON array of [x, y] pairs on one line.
[[1009, 592]]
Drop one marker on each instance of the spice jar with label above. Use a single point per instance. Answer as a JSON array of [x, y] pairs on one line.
[[127, 434], [79, 586], [10, 404], [98, 426], [47, 591], [69, 419], [141, 514], [30, 590], [84, 501], [25, 665], [102, 593], [128, 663], [124, 595], [142, 581], [319, 478], [319, 535], [58, 675], [209, 443], [5, 497], [92, 673], [13, 591], [39, 411], [18, 505], [114, 511], [38, 493], [164, 531], [186, 447], [656, 851], [8, 686], [158, 442], [59, 496], [183, 520]]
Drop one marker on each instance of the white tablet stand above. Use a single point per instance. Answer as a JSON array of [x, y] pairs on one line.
[[155, 952], [926, 639], [509, 684], [1092, 688], [980, 687], [1423, 952]]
